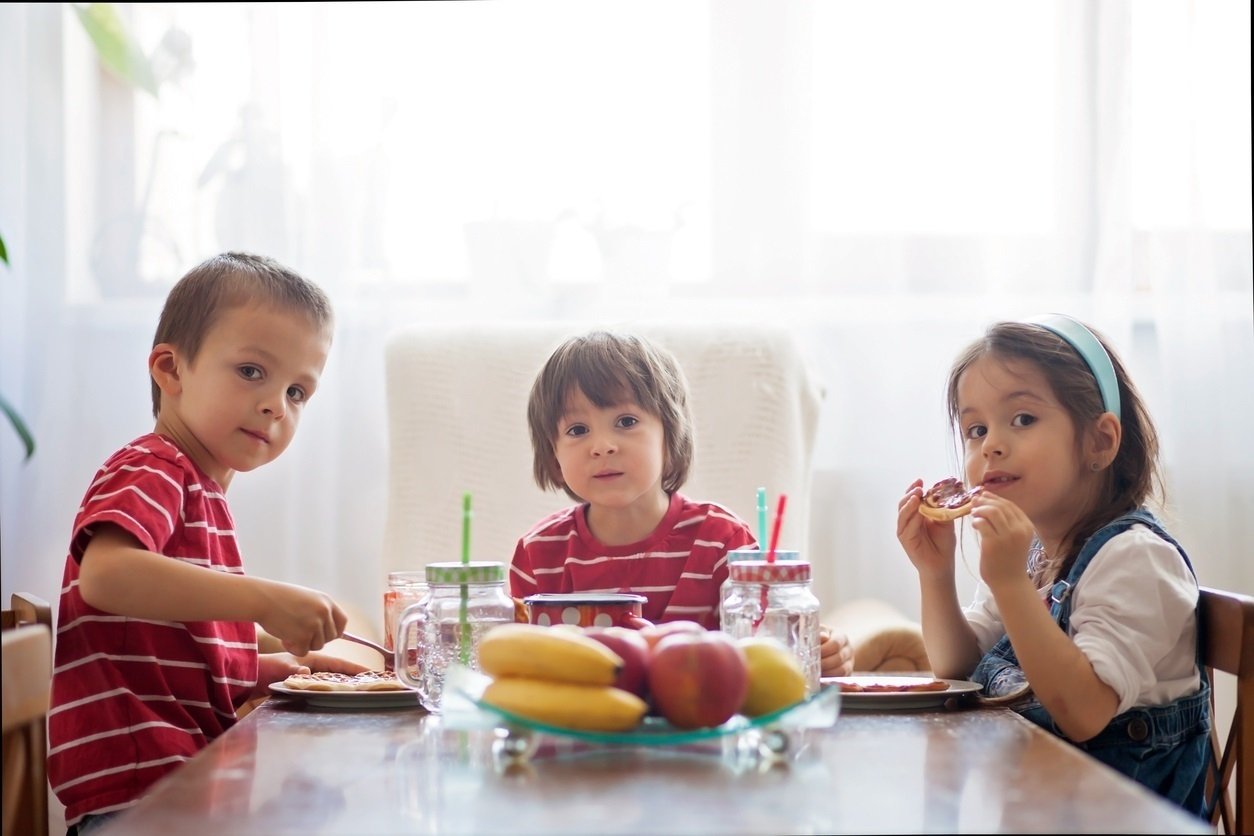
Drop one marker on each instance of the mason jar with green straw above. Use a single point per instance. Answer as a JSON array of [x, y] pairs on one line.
[[464, 601]]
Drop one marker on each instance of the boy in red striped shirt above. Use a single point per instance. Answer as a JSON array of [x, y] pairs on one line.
[[157, 645], [610, 425]]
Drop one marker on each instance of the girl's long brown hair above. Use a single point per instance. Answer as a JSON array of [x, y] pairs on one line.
[[1133, 477]]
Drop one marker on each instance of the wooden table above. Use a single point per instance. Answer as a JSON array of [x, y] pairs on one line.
[[286, 768]]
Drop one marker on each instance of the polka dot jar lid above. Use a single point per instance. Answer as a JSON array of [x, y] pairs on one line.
[[576, 598], [760, 571], [482, 571]]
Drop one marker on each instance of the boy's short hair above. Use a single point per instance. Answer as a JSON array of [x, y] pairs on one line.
[[610, 368], [226, 281]]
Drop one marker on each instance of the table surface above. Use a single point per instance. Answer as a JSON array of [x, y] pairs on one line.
[[289, 768]]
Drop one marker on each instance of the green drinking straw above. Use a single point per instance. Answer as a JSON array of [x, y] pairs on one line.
[[464, 644], [761, 518], [465, 528]]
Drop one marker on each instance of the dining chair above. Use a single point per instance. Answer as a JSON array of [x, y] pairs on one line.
[[1228, 646], [27, 678], [26, 608], [457, 421], [27, 625]]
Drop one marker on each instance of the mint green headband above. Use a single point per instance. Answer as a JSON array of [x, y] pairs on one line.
[[1090, 350]]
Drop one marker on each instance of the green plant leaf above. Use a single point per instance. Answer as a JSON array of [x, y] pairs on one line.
[[4, 254], [116, 47], [28, 441]]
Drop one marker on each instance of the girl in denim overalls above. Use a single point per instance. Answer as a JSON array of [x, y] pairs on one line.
[[1097, 640]]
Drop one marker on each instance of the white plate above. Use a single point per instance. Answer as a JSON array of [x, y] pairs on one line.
[[351, 699], [898, 700]]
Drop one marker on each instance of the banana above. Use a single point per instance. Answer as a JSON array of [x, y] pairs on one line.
[[535, 652], [580, 707]]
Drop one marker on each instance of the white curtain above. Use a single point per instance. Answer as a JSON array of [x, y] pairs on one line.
[[887, 177]]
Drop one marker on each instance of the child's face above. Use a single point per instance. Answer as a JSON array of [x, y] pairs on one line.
[[236, 406], [1020, 442], [611, 457]]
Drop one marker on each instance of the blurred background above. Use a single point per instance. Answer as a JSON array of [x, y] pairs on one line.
[[886, 178]]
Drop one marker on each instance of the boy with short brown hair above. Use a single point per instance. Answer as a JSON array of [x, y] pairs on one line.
[[157, 641]]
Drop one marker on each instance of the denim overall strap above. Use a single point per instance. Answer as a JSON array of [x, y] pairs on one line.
[[1163, 747], [1060, 592]]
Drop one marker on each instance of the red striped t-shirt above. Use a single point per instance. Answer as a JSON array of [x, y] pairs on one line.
[[679, 568], [133, 698]]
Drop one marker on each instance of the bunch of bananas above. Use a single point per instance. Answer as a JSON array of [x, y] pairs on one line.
[[559, 677]]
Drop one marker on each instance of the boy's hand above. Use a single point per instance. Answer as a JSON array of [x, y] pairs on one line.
[[276, 667], [930, 545], [1005, 536], [326, 662], [835, 653], [303, 619]]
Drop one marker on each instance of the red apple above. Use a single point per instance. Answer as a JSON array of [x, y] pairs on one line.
[[654, 633], [630, 645], [698, 680]]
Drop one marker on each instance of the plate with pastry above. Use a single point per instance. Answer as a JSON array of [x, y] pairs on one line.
[[368, 689], [894, 692]]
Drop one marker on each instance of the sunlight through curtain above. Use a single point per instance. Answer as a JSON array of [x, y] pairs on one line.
[[887, 178]]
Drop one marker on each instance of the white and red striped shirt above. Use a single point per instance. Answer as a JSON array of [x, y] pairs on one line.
[[133, 698], [679, 568]]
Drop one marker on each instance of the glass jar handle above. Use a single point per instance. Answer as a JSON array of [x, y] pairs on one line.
[[413, 615]]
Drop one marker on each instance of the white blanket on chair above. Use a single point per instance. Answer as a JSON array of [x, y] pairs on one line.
[[457, 419]]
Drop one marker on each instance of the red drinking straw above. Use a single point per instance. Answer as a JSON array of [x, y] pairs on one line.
[[779, 519], [770, 558]]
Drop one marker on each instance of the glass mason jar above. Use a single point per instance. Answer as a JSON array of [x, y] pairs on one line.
[[463, 602], [775, 600], [746, 553], [404, 589]]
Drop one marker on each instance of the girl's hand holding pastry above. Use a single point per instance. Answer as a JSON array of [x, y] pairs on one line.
[[930, 545], [1005, 536]]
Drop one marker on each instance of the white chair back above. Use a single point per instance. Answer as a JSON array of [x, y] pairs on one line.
[[457, 419]]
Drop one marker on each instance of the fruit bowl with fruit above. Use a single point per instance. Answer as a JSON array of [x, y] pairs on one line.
[[672, 686]]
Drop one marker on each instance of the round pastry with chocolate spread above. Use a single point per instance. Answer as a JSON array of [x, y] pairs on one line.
[[890, 684], [947, 500], [331, 681]]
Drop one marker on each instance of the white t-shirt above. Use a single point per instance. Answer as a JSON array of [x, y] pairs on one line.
[[1133, 615]]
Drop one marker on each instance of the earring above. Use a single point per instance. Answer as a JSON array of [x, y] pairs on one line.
[[1095, 466]]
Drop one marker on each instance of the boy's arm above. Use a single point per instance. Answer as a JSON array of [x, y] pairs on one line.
[[267, 643], [117, 575]]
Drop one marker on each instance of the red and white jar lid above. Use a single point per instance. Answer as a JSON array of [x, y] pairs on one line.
[[762, 571]]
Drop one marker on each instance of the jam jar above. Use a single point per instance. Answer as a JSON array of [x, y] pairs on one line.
[[764, 598]]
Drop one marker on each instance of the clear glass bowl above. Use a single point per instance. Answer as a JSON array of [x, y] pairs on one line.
[[517, 736]]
